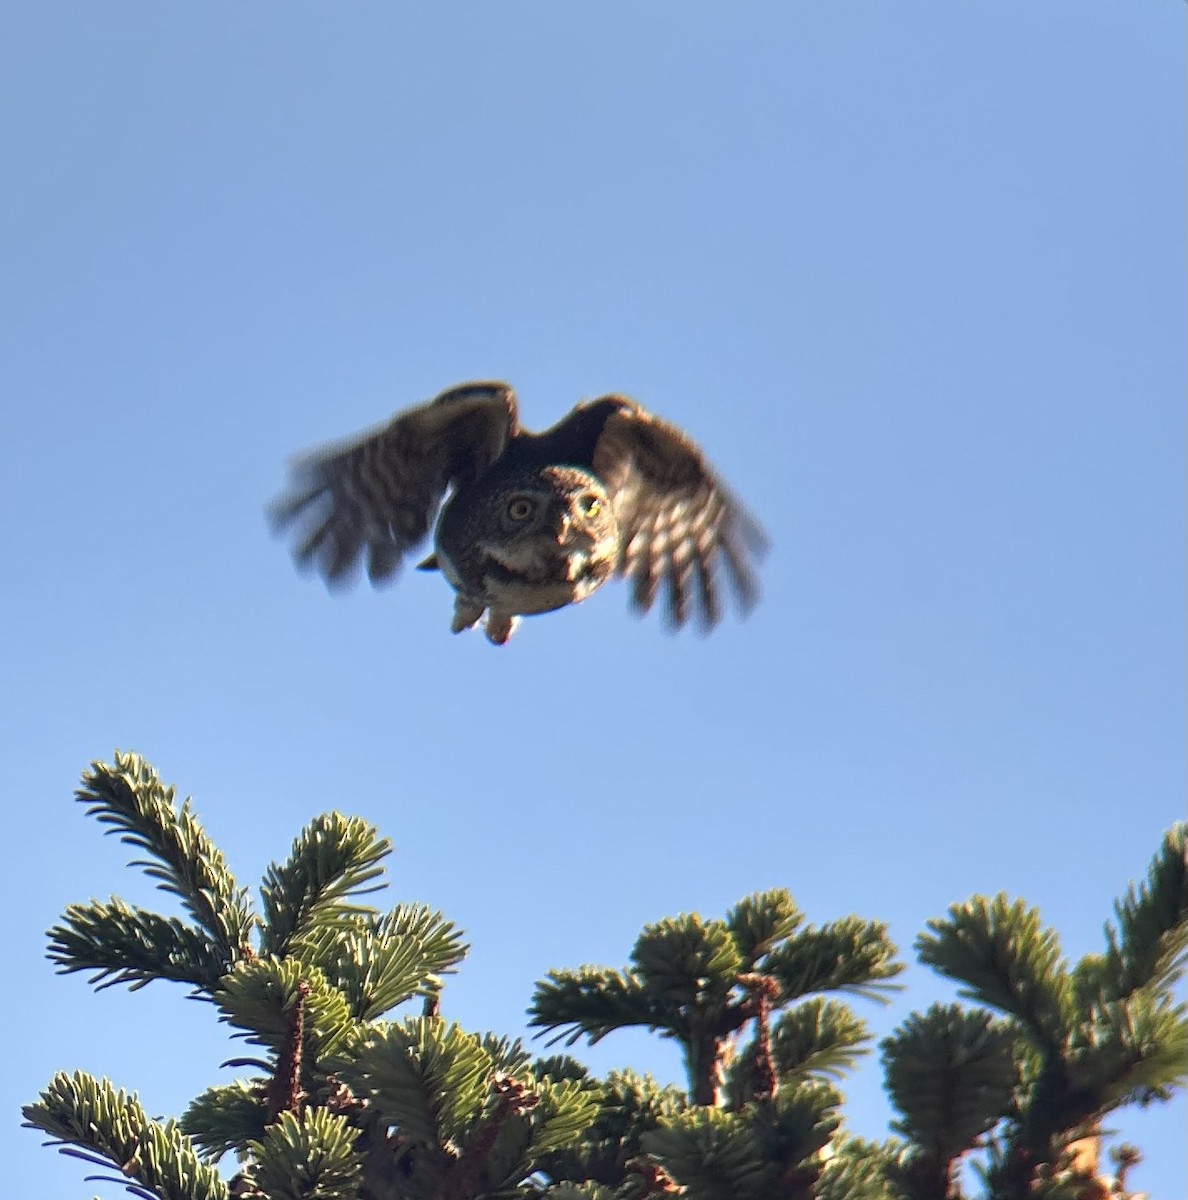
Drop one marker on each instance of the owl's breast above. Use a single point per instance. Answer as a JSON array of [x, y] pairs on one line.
[[528, 579]]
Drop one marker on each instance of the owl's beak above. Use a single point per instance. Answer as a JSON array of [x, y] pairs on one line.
[[561, 526]]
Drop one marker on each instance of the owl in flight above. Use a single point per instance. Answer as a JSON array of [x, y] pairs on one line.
[[533, 521]]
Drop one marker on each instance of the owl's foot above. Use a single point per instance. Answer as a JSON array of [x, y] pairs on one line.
[[500, 626], [466, 614]]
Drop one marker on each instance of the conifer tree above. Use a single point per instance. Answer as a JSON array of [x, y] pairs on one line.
[[758, 1122], [344, 1101], [1069, 1046]]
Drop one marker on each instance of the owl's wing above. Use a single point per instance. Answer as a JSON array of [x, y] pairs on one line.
[[678, 523], [376, 495]]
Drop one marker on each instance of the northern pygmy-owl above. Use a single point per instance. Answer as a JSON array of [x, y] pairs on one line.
[[533, 521]]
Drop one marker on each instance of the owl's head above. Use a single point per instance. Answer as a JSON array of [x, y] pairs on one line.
[[550, 523], [531, 539], [561, 506]]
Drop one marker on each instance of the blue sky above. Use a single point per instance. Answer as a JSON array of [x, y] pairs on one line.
[[911, 273]]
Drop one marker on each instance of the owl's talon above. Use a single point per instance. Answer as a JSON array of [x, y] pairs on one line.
[[466, 614], [500, 626]]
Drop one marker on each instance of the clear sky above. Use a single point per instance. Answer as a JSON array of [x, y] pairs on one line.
[[911, 273]]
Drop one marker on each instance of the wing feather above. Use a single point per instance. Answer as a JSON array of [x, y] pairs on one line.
[[375, 497], [677, 521]]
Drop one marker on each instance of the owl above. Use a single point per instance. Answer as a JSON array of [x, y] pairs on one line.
[[531, 522]]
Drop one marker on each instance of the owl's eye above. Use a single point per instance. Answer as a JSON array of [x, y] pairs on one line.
[[520, 509], [591, 505]]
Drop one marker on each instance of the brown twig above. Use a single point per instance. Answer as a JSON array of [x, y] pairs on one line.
[[762, 990], [284, 1092], [513, 1097]]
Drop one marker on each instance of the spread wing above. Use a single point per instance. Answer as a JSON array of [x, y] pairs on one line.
[[376, 496], [679, 526]]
